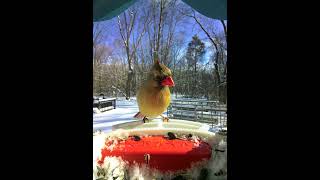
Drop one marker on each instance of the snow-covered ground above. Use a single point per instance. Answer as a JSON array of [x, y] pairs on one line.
[[124, 112]]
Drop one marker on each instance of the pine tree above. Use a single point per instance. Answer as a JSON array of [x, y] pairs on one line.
[[195, 52]]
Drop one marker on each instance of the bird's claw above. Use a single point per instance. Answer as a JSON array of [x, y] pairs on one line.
[[145, 120]]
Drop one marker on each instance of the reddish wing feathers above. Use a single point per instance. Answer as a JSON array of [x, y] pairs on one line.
[[139, 116]]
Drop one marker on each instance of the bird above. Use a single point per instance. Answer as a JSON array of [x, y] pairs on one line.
[[153, 96]]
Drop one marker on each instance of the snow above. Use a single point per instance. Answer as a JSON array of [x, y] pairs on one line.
[[107, 99], [115, 167], [96, 110], [124, 112]]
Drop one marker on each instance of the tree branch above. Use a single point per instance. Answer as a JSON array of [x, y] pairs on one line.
[[224, 27], [159, 27], [121, 31]]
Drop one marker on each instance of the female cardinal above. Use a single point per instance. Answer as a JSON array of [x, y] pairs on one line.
[[153, 96]]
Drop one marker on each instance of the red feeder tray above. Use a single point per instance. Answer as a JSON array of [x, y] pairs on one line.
[[160, 153]]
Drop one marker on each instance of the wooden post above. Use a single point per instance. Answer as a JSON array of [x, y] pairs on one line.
[[195, 113], [202, 110]]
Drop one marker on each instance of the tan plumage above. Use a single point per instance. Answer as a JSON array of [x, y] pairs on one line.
[[153, 96]]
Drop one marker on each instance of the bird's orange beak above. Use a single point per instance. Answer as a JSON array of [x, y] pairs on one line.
[[168, 81]]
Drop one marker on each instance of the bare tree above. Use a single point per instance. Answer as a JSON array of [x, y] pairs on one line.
[[101, 53], [219, 44], [101, 56], [126, 24], [224, 27], [151, 29], [161, 33]]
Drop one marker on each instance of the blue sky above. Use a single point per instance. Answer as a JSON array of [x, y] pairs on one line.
[[190, 28]]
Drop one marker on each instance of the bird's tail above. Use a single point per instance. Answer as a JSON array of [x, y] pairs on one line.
[[139, 115]]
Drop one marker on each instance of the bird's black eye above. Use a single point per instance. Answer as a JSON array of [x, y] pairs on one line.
[[157, 78]]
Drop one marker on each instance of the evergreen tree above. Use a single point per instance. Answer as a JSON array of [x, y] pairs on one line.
[[194, 55]]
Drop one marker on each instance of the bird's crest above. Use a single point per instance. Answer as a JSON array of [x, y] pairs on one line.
[[156, 58], [156, 61]]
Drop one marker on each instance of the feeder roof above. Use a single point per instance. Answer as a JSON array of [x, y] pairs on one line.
[[107, 9]]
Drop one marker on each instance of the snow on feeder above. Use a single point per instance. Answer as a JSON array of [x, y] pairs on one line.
[[157, 150]]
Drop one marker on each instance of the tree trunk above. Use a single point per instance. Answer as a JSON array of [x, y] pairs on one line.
[[224, 28], [128, 84]]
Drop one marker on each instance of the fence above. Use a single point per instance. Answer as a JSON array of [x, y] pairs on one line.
[[204, 111]]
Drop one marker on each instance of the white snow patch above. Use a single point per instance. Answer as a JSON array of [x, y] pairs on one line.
[[116, 167], [96, 110], [124, 112]]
